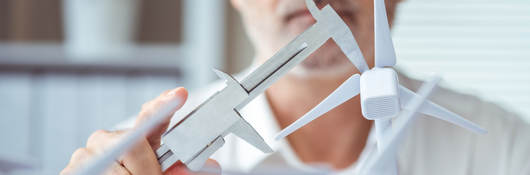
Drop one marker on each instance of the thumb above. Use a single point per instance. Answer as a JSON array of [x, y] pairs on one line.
[[168, 97], [211, 167]]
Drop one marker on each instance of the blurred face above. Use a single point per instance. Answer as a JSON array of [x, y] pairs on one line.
[[271, 24]]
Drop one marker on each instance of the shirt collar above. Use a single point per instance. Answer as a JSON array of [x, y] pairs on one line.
[[259, 114]]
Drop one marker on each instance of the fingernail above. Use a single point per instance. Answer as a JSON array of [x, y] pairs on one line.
[[172, 93]]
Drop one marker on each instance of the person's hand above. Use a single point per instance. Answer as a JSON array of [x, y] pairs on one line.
[[141, 159]]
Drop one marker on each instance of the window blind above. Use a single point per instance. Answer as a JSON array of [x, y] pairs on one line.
[[479, 47]]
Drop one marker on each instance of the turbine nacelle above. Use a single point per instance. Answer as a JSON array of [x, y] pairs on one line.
[[379, 93]]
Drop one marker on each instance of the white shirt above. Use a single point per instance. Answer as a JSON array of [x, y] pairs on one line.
[[431, 146]]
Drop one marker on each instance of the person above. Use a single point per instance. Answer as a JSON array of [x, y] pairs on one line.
[[342, 138]]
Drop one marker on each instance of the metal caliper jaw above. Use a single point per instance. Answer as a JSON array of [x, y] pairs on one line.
[[167, 158]]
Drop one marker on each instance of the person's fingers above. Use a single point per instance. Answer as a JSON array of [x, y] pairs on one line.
[[151, 107], [79, 157], [117, 169], [211, 167], [141, 159], [97, 143], [177, 169], [101, 140], [82, 155]]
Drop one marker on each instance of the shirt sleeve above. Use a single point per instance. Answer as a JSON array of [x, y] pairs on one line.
[[519, 150]]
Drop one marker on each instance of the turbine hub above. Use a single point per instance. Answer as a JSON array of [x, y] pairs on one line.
[[379, 93]]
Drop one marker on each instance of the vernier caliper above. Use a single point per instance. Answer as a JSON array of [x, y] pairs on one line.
[[200, 133]]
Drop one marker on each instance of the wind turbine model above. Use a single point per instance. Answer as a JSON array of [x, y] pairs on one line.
[[382, 98], [383, 162]]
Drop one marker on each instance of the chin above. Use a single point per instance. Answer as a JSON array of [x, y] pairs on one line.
[[309, 69], [327, 61], [299, 25]]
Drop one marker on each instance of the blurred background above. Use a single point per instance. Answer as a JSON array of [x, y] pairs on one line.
[[69, 67]]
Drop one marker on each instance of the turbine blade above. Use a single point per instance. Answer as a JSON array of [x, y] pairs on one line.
[[347, 43], [384, 48], [434, 110], [375, 165], [348, 89]]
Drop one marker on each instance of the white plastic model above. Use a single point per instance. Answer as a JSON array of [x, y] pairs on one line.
[[382, 98], [379, 93]]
